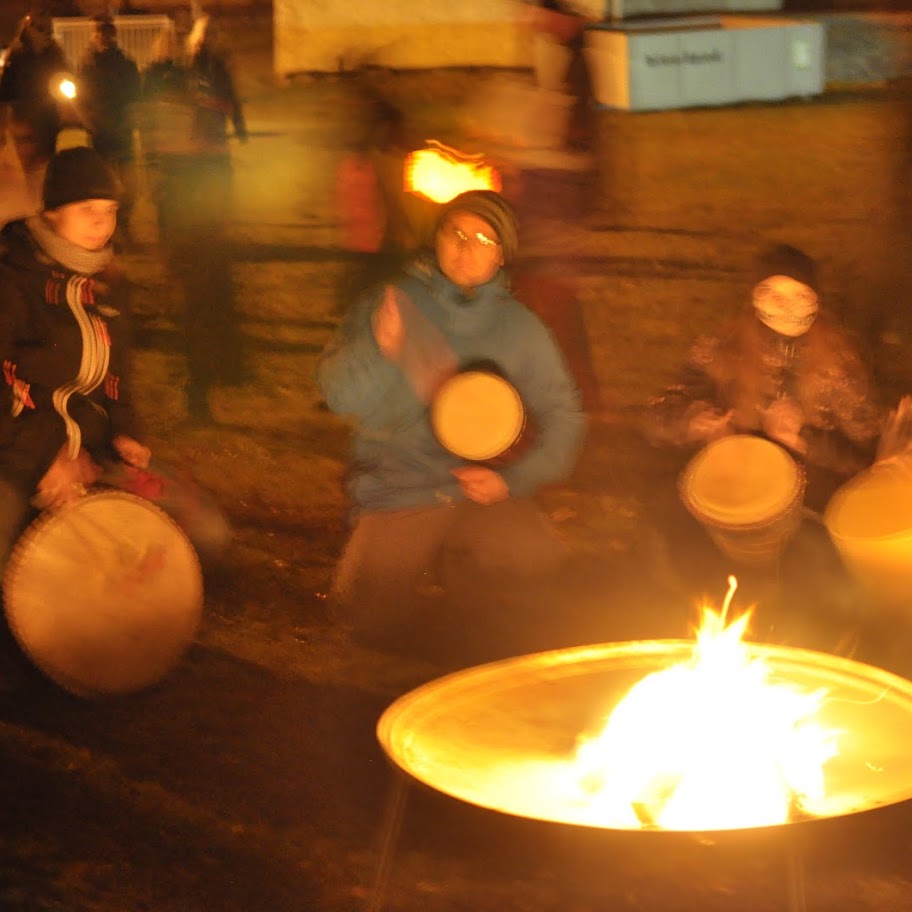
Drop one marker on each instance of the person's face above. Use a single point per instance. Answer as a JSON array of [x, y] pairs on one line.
[[103, 39], [39, 32], [785, 305], [468, 250], [88, 224]]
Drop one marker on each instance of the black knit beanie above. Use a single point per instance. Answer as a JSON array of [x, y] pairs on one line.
[[785, 260], [495, 210], [78, 174]]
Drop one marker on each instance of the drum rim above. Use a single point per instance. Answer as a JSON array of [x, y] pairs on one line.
[[15, 566], [722, 519], [502, 382]]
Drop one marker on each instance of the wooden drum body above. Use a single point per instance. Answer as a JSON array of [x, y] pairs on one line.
[[748, 493], [105, 594], [479, 416]]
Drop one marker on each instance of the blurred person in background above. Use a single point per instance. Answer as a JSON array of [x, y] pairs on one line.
[[371, 204], [109, 88], [426, 522], [191, 93], [30, 109]]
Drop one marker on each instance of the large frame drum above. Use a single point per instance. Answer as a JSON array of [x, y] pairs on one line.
[[105, 594]]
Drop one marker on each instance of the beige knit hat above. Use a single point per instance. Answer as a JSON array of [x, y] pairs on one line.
[[494, 209]]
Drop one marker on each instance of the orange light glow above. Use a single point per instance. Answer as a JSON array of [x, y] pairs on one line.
[[439, 173], [710, 743]]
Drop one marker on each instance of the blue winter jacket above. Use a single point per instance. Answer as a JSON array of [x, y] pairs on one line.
[[398, 462]]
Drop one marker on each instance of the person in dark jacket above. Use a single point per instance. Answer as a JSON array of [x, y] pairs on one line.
[[109, 88], [424, 517], [66, 415], [30, 108], [191, 87]]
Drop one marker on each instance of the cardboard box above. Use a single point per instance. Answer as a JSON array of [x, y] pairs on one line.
[[705, 62]]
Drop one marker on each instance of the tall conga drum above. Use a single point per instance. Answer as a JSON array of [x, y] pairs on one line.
[[105, 594], [479, 416], [870, 521], [748, 494]]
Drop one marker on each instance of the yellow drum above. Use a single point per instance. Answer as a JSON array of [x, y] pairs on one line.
[[870, 521], [748, 494], [479, 416]]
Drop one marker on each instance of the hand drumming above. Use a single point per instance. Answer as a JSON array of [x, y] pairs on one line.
[[709, 424], [782, 422], [132, 452], [388, 326], [481, 484], [66, 479]]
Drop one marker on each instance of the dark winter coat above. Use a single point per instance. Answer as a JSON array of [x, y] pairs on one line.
[[25, 85], [64, 343], [109, 86], [747, 366]]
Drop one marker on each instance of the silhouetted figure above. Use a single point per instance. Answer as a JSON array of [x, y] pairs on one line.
[[30, 111], [192, 94], [109, 87]]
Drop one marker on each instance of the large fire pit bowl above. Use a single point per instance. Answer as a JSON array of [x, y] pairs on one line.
[[503, 736]]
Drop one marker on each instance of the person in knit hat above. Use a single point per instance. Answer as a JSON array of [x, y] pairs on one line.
[[782, 368], [436, 538], [66, 416]]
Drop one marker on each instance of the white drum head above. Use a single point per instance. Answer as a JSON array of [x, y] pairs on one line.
[[477, 415], [741, 480], [104, 595]]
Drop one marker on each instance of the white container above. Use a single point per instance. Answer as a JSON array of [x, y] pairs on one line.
[[712, 62]]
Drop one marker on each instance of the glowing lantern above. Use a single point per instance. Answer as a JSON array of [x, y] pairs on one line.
[[439, 173], [67, 88]]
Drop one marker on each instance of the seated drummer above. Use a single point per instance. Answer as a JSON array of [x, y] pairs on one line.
[[434, 535], [782, 369], [66, 418]]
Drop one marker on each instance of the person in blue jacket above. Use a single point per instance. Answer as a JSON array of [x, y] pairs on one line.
[[434, 535]]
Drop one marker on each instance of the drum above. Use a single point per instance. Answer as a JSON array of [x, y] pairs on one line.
[[105, 594], [478, 416], [748, 494], [870, 521]]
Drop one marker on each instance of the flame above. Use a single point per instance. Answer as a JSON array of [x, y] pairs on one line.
[[711, 743], [439, 173], [67, 88]]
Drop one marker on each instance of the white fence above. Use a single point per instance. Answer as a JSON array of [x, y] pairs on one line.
[[136, 35]]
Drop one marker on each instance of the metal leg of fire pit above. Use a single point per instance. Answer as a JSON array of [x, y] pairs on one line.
[[795, 874], [389, 840]]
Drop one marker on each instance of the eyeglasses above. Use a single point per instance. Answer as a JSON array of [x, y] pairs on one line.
[[474, 241]]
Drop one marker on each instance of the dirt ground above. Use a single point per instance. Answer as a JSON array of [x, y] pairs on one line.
[[251, 778]]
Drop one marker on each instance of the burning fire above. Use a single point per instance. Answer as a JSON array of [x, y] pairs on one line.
[[712, 743], [439, 173]]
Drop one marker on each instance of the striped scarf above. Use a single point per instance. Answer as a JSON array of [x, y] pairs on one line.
[[71, 256]]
